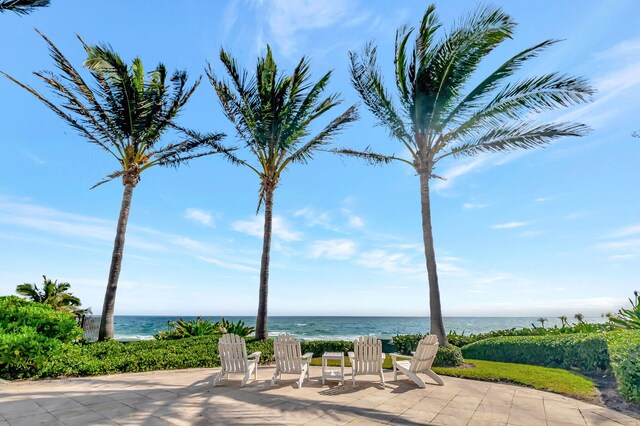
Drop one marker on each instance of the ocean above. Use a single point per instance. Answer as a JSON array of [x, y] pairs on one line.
[[130, 327]]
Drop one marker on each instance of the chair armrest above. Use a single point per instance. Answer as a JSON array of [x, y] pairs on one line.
[[351, 355], [254, 355], [394, 356], [308, 355]]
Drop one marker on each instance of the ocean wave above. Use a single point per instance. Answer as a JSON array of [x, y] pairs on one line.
[[131, 337]]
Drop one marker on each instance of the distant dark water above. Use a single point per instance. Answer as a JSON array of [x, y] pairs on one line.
[[335, 328]]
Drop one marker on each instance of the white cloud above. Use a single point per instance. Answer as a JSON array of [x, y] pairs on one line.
[[313, 217], [391, 262], [228, 265], [469, 206], [510, 225], [625, 232], [622, 257], [255, 228], [542, 199], [200, 216], [289, 21], [339, 249], [355, 222], [458, 170], [621, 244]]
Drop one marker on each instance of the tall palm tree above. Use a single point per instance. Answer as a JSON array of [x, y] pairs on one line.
[[125, 113], [442, 116], [272, 114], [22, 7], [54, 294]]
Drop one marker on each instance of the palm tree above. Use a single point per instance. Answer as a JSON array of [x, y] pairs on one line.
[[125, 114], [272, 114], [22, 7], [441, 117], [53, 294]]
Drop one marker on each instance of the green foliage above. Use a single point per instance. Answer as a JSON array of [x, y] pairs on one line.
[[16, 313], [447, 355], [628, 318], [112, 357], [31, 333], [587, 351], [239, 328], [462, 340], [624, 349], [542, 378], [318, 347], [54, 294], [198, 327], [21, 7]]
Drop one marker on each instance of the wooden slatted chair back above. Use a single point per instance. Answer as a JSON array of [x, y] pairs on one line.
[[233, 353], [368, 355], [288, 354], [425, 354]]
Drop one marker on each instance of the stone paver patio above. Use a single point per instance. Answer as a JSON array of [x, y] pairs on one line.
[[185, 397]]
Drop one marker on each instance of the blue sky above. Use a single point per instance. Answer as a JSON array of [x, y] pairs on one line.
[[546, 232]]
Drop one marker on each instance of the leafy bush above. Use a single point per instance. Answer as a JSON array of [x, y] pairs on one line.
[[318, 347], [587, 352], [31, 333], [628, 318], [198, 327], [447, 356], [624, 350], [462, 340], [16, 313]]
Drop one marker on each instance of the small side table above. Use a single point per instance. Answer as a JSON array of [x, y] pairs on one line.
[[333, 373]]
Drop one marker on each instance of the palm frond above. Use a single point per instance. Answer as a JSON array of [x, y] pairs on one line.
[[517, 136], [22, 7], [370, 157]]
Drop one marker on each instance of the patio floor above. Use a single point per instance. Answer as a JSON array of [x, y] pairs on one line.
[[185, 397]]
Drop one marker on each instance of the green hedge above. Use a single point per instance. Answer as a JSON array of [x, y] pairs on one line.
[[30, 334], [624, 350], [587, 352]]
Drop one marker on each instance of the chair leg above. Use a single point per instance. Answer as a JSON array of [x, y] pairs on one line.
[[382, 378], [256, 372], [274, 378], [416, 379], [301, 379], [247, 375], [395, 372], [435, 377]]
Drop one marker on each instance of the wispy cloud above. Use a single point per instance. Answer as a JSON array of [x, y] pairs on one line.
[[339, 249], [510, 225], [313, 217], [228, 265], [200, 216], [255, 228], [627, 231], [470, 206], [622, 257]]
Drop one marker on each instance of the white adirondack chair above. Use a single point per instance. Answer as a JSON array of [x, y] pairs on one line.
[[289, 359], [367, 357], [420, 362], [234, 358]]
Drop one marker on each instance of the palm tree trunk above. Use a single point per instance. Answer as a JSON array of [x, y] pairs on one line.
[[437, 324], [106, 322], [262, 332]]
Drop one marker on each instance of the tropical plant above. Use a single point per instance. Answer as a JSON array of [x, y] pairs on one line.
[[126, 112], [180, 329], [628, 318], [239, 328], [273, 115], [542, 320], [579, 317], [564, 321], [54, 294], [440, 119], [22, 7]]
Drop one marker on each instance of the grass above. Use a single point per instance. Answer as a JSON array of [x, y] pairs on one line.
[[542, 378]]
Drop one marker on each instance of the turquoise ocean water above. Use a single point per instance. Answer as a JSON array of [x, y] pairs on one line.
[[335, 328]]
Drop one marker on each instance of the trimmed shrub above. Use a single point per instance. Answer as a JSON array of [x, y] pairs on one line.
[[587, 352], [624, 349], [24, 351], [448, 356], [318, 347]]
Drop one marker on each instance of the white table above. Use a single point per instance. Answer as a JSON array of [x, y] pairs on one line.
[[333, 373]]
